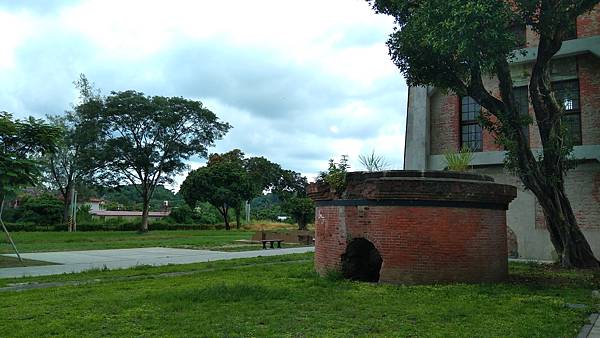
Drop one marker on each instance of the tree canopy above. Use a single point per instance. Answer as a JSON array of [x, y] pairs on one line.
[[145, 140], [229, 179], [72, 162], [458, 45], [20, 143], [224, 183]]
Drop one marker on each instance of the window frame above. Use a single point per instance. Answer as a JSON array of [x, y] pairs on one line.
[[572, 112], [525, 128], [467, 123]]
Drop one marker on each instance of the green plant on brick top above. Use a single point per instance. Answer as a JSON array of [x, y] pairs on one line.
[[460, 161], [335, 176], [373, 162]]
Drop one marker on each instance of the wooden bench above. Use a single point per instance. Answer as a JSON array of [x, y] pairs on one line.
[[271, 241]]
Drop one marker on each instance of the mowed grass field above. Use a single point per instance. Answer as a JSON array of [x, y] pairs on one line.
[[98, 240], [283, 297]]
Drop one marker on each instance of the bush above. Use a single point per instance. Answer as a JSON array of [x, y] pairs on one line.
[[183, 214], [42, 210]]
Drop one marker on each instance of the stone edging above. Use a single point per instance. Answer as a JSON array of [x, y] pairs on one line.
[[587, 328]]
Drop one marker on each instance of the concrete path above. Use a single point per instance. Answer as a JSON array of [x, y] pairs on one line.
[[78, 261], [591, 330]]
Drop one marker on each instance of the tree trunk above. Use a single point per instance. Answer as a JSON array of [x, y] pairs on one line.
[[238, 217], [145, 210], [569, 242], [545, 178], [70, 190], [301, 223], [571, 245], [224, 211]]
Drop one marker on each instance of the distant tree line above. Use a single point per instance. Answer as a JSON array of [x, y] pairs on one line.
[[125, 147]]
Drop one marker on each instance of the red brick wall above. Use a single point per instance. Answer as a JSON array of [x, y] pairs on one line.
[[589, 23], [445, 115], [418, 244], [589, 93]]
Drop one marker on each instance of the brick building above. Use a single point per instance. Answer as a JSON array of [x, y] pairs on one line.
[[439, 122]]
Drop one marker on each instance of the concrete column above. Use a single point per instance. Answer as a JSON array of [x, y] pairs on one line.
[[416, 149]]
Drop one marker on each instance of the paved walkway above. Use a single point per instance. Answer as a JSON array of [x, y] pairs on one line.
[[591, 330], [78, 261]]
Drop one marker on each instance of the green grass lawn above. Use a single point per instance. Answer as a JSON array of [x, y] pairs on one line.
[[283, 297], [96, 240]]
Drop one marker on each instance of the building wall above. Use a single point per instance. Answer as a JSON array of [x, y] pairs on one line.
[[589, 93], [587, 25], [525, 216]]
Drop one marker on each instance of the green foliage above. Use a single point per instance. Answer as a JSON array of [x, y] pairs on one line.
[[266, 207], [229, 179], [72, 163], [302, 209], [42, 210], [146, 140], [127, 197], [460, 161], [182, 214], [440, 40], [373, 162], [335, 176], [20, 141], [222, 183]]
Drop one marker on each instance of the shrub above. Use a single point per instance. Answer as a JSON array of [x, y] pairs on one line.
[[183, 214], [42, 210], [373, 162], [460, 161], [335, 176]]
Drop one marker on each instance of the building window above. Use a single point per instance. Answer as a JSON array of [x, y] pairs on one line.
[[567, 94], [470, 130], [522, 101]]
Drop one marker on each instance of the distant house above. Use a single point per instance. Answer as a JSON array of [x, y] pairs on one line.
[[95, 204], [127, 215]]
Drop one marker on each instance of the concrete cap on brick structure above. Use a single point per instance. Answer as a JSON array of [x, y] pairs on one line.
[[445, 187]]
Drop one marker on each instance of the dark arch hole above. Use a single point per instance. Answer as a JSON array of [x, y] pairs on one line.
[[361, 261]]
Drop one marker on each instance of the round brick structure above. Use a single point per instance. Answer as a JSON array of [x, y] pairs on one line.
[[413, 227]]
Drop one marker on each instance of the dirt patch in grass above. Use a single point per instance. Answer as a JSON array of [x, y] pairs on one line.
[[12, 262]]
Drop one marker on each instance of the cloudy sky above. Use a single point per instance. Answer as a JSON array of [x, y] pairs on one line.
[[299, 81]]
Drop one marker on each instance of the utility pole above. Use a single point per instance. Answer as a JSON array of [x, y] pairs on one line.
[[247, 211], [75, 211]]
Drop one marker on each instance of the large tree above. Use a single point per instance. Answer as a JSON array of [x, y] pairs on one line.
[[21, 143], [290, 187], [455, 45], [223, 182], [145, 140], [71, 162]]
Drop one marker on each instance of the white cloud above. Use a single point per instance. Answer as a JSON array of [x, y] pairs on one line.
[[301, 82]]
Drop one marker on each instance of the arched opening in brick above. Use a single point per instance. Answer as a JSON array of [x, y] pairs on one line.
[[361, 261]]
